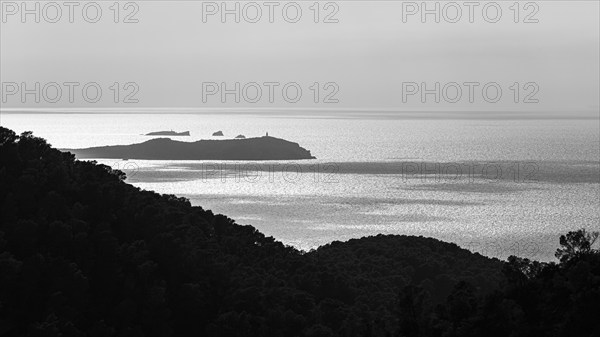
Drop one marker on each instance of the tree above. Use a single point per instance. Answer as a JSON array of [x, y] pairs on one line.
[[413, 308], [519, 270], [575, 244]]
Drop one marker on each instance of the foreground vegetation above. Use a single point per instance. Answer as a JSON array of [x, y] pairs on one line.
[[82, 253]]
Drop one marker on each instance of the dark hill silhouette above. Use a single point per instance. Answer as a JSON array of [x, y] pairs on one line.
[[82, 253], [262, 148]]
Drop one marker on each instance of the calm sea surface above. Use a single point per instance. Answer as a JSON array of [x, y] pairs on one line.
[[499, 187]]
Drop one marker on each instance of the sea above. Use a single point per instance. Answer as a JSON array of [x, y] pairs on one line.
[[498, 187]]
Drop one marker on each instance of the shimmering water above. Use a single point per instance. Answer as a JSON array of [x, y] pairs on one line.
[[499, 187]]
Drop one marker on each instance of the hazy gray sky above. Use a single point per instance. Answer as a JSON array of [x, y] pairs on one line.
[[368, 54]]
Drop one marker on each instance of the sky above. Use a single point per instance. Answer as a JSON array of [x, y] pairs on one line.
[[369, 56]]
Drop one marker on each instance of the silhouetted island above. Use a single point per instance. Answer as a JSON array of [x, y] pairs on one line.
[[261, 148], [82, 253], [218, 133], [168, 133], [240, 137]]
